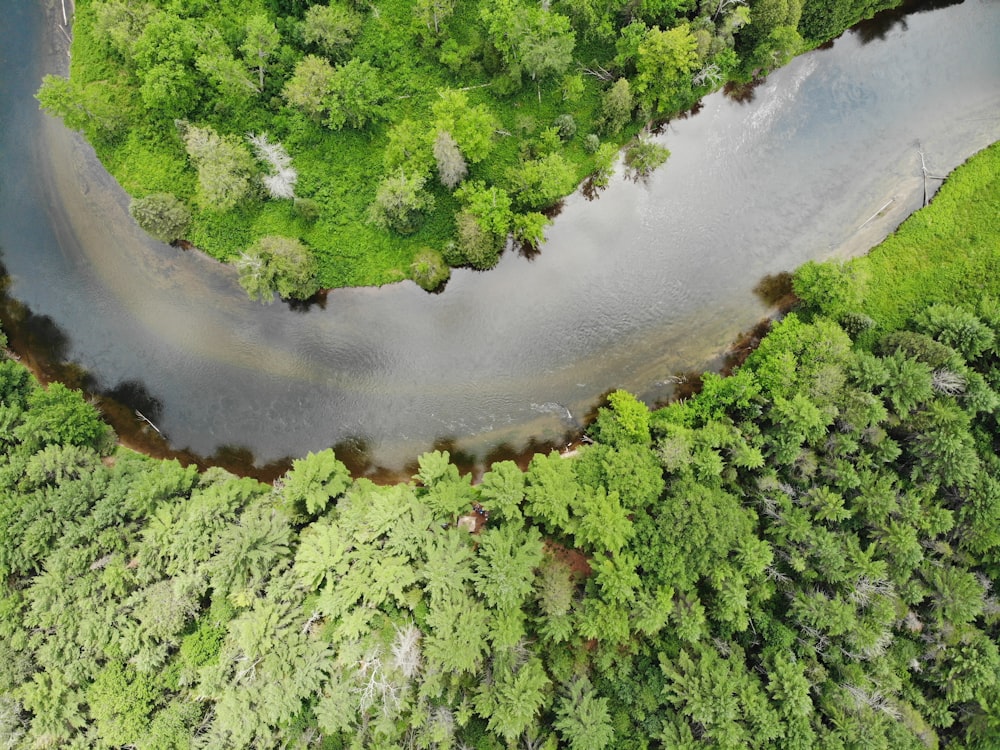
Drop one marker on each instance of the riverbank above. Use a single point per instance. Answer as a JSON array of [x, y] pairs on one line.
[[962, 215], [949, 251]]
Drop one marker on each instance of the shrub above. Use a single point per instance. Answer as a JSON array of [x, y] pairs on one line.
[[161, 215], [429, 270]]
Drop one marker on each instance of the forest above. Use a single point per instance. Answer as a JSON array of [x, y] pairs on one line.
[[362, 142], [802, 555]]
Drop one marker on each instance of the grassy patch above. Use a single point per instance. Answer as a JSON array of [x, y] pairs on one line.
[[948, 251]]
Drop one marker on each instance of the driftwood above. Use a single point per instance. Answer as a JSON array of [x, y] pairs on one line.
[[146, 419], [923, 168], [890, 202]]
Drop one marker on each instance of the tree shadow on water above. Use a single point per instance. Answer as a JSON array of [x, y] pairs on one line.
[[878, 27], [775, 289]]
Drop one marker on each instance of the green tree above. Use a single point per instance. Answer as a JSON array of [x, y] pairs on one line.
[[534, 39], [643, 156], [225, 167], [81, 107], [59, 415], [502, 490], [260, 44], [505, 566], [55, 705], [617, 105], [471, 126], [603, 524], [399, 204], [664, 62], [277, 264], [432, 13], [529, 228], [550, 491], [161, 215], [514, 699], [118, 24], [120, 702], [624, 421], [958, 328], [543, 182], [332, 27], [230, 75], [409, 148], [583, 718], [310, 86], [826, 287], [354, 95], [544, 43], [313, 482], [429, 270], [721, 696], [165, 61], [248, 552]]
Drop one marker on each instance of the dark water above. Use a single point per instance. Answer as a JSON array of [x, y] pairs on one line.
[[646, 282]]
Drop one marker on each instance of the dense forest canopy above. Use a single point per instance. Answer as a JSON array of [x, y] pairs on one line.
[[801, 556], [360, 143]]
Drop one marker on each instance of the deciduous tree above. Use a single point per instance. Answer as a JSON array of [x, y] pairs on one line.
[[399, 204], [277, 264], [225, 166], [162, 215], [331, 27]]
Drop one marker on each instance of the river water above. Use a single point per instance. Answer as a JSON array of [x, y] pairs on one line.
[[648, 281]]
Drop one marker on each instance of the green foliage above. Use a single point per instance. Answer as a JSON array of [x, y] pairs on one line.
[[399, 203], [277, 264], [802, 555], [583, 718], [534, 39], [358, 94], [470, 125], [331, 27], [643, 156], [120, 703], [550, 491], [617, 106], [60, 415], [502, 490], [310, 85], [82, 107], [429, 270], [354, 95], [162, 215], [824, 286], [225, 167], [664, 61], [626, 421], [313, 482], [540, 183]]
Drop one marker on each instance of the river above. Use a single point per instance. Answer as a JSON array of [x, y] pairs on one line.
[[649, 281]]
